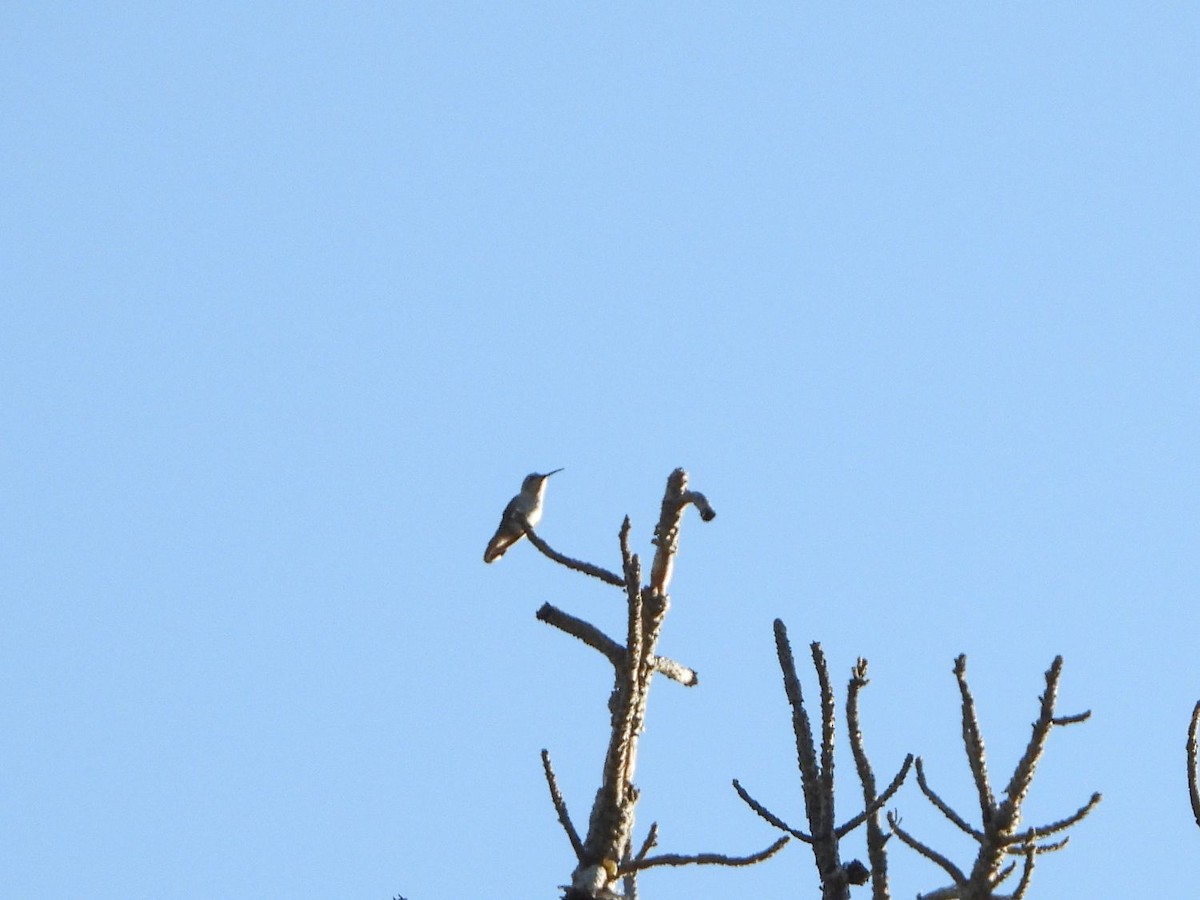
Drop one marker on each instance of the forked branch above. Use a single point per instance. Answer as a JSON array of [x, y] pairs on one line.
[[999, 836], [817, 779]]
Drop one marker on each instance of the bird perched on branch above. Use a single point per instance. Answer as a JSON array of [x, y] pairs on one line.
[[525, 507]]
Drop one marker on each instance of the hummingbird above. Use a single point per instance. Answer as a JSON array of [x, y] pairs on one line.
[[525, 507]]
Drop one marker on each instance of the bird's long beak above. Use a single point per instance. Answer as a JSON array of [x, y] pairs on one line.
[[548, 474]]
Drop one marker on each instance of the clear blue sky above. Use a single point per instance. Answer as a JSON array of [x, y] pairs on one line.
[[293, 295]]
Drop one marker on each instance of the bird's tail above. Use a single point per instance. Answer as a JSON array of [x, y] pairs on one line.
[[495, 549]]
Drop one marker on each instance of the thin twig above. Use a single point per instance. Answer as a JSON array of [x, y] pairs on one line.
[[1002, 875], [577, 564], [1072, 720], [649, 844], [1051, 847], [560, 806], [942, 805], [879, 802], [955, 873], [707, 859], [1041, 831], [767, 815]]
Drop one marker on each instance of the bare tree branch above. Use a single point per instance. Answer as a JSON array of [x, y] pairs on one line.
[[878, 803], [649, 844], [611, 824], [1026, 873], [956, 874], [560, 806], [676, 671], [828, 711], [584, 631], [577, 564], [1001, 876], [817, 778], [1193, 773], [666, 533], [613, 651], [1038, 832], [709, 859], [767, 815], [1022, 777], [1039, 849], [1072, 720], [942, 805], [707, 513], [999, 837], [806, 751], [973, 740], [876, 839]]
